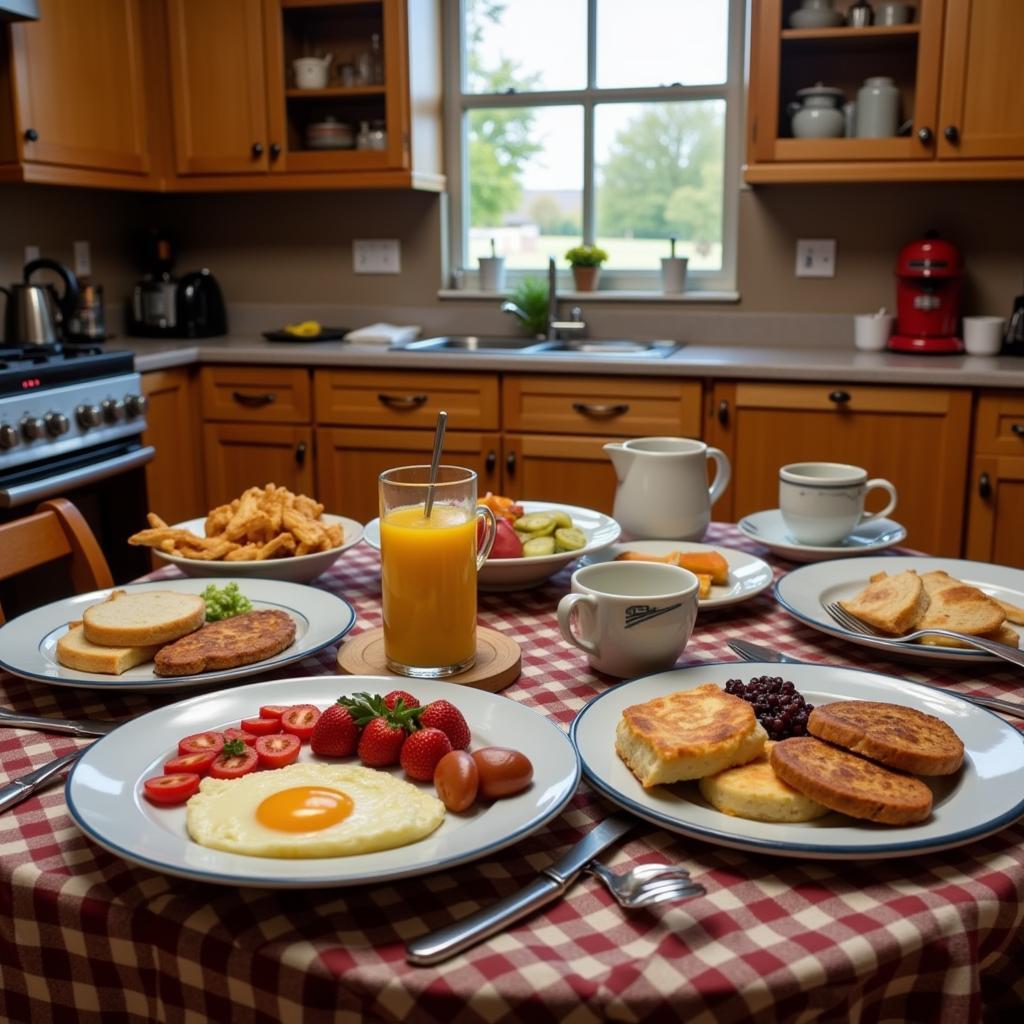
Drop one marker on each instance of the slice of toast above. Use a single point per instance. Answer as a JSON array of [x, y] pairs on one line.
[[1004, 634], [74, 651], [143, 618], [1014, 614], [890, 604], [962, 609]]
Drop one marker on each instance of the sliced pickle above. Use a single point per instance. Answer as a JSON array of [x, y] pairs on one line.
[[570, 539], [538, 546], [562, 519], [538, 524]]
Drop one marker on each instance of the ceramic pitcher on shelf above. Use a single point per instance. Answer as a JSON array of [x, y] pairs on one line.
[[663, 491]]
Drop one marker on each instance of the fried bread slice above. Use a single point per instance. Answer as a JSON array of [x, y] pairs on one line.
[[687, 735], [142, 618], [891, 604], [896, 736], [847, 783], [962, 609], [1004, 634], [240, 640]]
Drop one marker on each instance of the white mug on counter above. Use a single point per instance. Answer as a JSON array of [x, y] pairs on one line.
[[983, 335], [822, 502], [632, 618], [871, 331]]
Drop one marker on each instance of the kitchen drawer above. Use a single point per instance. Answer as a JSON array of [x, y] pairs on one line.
[[264, 394], [634, 406], [844, 398], [999, 423], [375, 398]]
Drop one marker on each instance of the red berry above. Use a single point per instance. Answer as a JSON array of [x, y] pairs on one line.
[[392, 698], [443, 715], [421, 752], [381, 743], [335, 733]]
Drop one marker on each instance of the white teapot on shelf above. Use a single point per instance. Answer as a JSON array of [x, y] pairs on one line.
[[312, 72], [663, 491]]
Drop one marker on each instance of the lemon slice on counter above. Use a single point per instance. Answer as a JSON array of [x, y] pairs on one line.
[[306, 329]]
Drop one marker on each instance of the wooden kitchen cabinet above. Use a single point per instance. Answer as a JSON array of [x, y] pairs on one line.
[[915, 437], [174, 477], [242, 455], [260, 394], [574, 470]]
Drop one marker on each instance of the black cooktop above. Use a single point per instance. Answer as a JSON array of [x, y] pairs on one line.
[[39, 367]]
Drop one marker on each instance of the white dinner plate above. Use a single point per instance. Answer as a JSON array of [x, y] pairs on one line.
[[523, 573], [767, 528], [748, 574], [28, 644], [296, 569], [986, 795], [804, 591], [105, 796]]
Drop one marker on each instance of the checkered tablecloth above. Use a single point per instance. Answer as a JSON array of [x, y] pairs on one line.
[[84, 936]]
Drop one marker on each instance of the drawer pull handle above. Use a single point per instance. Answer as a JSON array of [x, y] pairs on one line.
[[952, 134], [839, 397], [300, 453], [510, 463], [723, 412], [254, 401], [984, 486], [925, 135], [1018, 429], [402, 401], [257, 150], [602, 412], [491, 461]]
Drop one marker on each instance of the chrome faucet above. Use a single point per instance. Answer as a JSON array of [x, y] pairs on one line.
[[576, 326]]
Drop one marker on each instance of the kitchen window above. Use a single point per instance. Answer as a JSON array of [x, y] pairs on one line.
[[615, 122]]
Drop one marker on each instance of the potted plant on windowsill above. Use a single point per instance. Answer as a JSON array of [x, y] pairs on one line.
[[586, 261]]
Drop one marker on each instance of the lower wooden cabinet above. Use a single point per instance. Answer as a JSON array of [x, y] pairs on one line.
[[174, 477], [349, 461], [574, 470], [916, 437], [241, 455], [996, 511]]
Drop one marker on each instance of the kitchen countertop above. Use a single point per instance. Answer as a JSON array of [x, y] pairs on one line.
[[767, 362]]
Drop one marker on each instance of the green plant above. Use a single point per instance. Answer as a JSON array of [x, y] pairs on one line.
[[586, 256], [531, 296]]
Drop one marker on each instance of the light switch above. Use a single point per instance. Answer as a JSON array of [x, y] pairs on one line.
[[377, 256], [816, 257], [83, 259]]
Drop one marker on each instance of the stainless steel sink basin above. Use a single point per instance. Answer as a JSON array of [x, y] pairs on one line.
[[474, 343], [618, 347]]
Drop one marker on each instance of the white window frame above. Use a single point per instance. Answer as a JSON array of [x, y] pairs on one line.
[[627, 283]]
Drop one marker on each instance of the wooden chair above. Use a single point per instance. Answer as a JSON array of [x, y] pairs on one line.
[[55, 530]]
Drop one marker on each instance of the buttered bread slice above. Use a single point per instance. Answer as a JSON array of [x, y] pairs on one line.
[[891, 604], [143, 618], [688, 735]]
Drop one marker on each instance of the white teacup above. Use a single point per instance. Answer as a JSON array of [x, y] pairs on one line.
[[822, 502], [632, 618]]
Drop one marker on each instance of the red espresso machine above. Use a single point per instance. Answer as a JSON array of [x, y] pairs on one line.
[[929, 276]]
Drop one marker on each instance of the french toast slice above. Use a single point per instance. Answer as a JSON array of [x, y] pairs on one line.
[[962, 609], [849, 784], [890, 604], [1004, 634], [894, 735]]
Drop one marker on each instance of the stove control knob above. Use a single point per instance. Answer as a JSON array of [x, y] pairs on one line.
[[9, 436], [56, 423], [89, 416], [32, 428], [136, 404], [113, 410]]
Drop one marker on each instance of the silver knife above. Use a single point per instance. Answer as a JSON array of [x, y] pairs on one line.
[[754, 652], [71, 726], [447, 942], [25, 785]]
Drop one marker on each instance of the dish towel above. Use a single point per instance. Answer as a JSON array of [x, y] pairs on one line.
[[392, 335]]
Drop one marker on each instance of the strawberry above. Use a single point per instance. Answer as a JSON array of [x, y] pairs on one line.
[[381, 743], [384, 728], [335, 734], [443, 715], [392, 698], [421, 752]]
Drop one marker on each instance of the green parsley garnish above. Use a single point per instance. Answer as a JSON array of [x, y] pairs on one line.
[[225, 602]]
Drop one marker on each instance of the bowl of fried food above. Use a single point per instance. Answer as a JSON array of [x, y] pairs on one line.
[[267, 532]]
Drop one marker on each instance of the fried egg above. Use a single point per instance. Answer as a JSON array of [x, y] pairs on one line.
[[311, 810]]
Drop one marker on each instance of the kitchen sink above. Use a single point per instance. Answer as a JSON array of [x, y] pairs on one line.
[[619, 347], [475, 343]]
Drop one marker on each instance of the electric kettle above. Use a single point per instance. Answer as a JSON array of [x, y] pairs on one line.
[[35, 313]]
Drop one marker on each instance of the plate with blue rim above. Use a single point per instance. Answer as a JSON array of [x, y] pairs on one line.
[[983, 797], [105, 787]]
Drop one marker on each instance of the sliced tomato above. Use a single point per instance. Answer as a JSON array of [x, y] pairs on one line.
[[200, 742], [248, 738], [278, 750], [273, 710], [300, 720], [171, 789], [261, 726], [233, 766], [197, 763]]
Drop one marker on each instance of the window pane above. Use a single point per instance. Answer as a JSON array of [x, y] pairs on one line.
[[526, 45], [661, 42], [525, 168], [659, 174]]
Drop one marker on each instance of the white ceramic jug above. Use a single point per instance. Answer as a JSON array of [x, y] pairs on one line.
[[663, 491], [312, 72]]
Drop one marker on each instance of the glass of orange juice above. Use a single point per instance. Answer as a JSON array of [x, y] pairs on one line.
[[428, 569]]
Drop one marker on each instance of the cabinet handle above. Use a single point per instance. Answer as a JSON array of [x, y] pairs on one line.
[[510, 463], [31, 135], [984, 486], [839, 397], [275, 150], [491, 461], [723, 412], [1018, 429], [402, 401], [254, 401], [601, 412], [925, 135], [300, 453], [257, 150], [952, 134]]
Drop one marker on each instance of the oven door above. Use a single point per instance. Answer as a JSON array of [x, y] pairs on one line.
[[108, 486]]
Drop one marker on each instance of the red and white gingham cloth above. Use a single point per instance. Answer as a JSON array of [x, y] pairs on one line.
[[86, 937]]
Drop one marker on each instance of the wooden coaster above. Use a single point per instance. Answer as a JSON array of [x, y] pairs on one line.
[[498, 659]]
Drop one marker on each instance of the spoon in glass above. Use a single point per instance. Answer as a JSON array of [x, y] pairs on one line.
[[435, 461]]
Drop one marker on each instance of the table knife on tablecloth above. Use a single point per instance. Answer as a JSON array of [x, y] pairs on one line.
[[25, 785], [447, 942], [755, 652], [73, 727]]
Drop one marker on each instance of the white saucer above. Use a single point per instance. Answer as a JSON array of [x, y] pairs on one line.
[[767, 528]]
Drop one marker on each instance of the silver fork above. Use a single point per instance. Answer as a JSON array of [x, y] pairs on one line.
[[647, 884], [855, 625]]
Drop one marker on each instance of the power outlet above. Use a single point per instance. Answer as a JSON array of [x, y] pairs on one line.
[[83, 259], [377, 256], [816, 257]]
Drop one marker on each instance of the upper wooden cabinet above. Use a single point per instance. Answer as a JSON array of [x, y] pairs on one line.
[[956, 66]]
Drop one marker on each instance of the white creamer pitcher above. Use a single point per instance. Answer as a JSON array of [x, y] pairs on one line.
[[663, 491]]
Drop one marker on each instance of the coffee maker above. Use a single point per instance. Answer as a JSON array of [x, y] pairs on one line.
[[929, 277]]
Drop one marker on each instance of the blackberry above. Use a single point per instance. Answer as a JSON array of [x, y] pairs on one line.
[[779, 707]]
